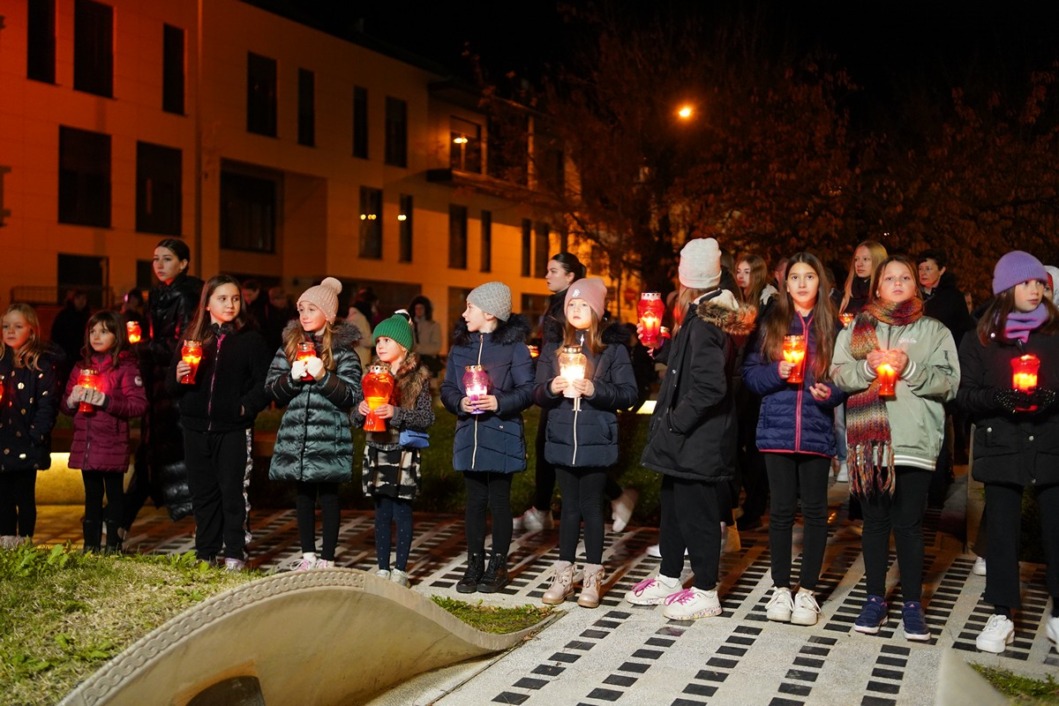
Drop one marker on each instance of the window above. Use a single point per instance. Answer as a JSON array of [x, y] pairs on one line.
[[465, 146], [360, 122], [458, 237], [404, 224], [540, 250], [260, 95], [396, 132], [84, 177], [527, 247], [158, 189], [94, 48], [370, 223], [40, 41], [248, 212], [306, 108], [509, 149], [487, 241], [172, 69]]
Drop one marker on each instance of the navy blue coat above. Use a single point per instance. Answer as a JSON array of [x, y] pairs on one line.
[[491, 441], [28, 410], [791, 420]]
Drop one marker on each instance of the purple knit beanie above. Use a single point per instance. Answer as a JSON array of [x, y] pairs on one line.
[[1016, 267]]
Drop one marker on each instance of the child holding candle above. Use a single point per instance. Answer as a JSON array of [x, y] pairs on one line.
[[30, 405], [893, 442], [1016, 439], [390, 471], [100, 446], [217, 414], [582, 437], [489, 446], [314, 444]]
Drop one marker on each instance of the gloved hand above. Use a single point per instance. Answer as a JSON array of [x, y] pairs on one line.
[[76, 395], [297, 370], [1011, 401], [1044, 399], [94, 397], [315, 367]]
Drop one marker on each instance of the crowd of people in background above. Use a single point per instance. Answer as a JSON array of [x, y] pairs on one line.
[[897, 381]]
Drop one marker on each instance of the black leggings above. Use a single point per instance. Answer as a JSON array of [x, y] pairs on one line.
[[544, 479], [98, 483], [18, 503], [387, 511], [487, 489], [792, 476], [690, 520], [901, 514], [1005, 521], [327, 493], [582, 490]]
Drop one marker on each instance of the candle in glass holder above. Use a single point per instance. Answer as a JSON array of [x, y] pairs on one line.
[[1024, 371], [475, 384], [133, 329], [191, 353], [887, 378], [794, 353], [378, 386], [306, 350], [88, 379], [847, 319], [572, 363], [534, 351], [650, 310]]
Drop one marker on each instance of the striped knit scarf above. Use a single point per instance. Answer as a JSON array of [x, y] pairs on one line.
[[871, 451]]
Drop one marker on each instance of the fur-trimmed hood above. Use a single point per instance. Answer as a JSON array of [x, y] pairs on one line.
[[411, 379], [515, 330], [343, 335], [724, 312]]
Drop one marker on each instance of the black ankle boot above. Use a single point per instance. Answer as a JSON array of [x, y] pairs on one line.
[[495, 576], [93, 532], [473, 574], [113, 538]]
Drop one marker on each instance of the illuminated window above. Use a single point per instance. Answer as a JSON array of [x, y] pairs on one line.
[[465, 145]]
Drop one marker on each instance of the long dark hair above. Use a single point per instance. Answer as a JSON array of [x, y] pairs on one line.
[[570, 263], [995, 319], [778, 320], [201, 329], [114, 323]]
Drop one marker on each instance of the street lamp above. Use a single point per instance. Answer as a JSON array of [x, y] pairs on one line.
[[686, 111]]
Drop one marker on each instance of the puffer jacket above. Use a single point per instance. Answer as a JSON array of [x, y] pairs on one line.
[[693, 429], [413, 406], [491, 441], [28, 410], [101, 437], [791, 420], [315, 441], [584, 431], [1018, 448]]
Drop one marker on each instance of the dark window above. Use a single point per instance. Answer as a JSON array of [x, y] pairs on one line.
[[404, 222], [527, 247], [396, 132], [260, 95], [248, 212], [306, 108], [172, 69], [145, 275], [487, 241], [84, 177], [360, 122], [40, 41], [465, 146], [509, 149], [158, 189], [94, 48], [370, 223], [458, 237], [540, 250], [87, 273]]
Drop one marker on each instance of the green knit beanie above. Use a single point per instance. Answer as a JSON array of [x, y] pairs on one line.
[[397, 328]]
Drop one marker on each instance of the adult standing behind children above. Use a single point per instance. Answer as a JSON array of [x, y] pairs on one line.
[[489, 447]]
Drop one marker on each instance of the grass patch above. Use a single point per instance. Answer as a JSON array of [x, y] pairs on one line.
[[492, 619], [1020, 689]]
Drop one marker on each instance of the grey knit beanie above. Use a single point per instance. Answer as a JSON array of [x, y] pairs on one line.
[[492, 298]]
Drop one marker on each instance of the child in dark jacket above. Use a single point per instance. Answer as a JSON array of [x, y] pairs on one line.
[[217, 411], [100, 446], [582, 435]]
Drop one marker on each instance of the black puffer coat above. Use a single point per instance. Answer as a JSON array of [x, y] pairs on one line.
[[28, 410]]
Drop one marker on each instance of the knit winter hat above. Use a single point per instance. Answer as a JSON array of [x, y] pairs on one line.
[[700, 264], [1016, 267], [492, 298], [592, 290], [324, 296], [397, 328], [1053, 272]]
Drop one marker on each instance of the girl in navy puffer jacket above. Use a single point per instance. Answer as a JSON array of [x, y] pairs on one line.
[[100, 446], [795, 430]]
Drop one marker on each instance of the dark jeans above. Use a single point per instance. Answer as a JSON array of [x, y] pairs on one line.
[[330, 516], [901, 514], [690, 520], [218, 474], [492, 491], [1005, 523], [582, 490], [98, 483], [387, 511], [792, 476], [18, 503]]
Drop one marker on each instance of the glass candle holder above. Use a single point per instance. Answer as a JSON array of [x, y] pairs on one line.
[[378, 386], [89, 379], [475, 384], [134, 331], [306, 350], [847, 319], [794, 353], [191, 353], [572, 363], [1024, 371], [650, 310], [887, 379]]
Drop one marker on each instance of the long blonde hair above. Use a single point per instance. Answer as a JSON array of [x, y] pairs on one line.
[[29, 355], [294, 335], [685, 295], [878, 254]]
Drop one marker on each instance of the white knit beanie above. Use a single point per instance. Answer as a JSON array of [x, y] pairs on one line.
[[700, 264], [324, 296]]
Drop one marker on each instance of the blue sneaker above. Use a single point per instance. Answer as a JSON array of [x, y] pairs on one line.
[[915, 625], [872, 616]]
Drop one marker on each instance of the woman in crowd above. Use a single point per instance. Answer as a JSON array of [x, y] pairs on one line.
[[752, 278]]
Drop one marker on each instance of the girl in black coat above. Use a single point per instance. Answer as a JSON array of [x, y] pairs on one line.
[[582, 436]]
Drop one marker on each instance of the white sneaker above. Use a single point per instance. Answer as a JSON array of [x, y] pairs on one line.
[[308, 561], [534, 520], [655, 550], [806, 609], [843, 473], [780, 605], [979, 566], [324, 564], [1051, 629], [383, 574], [653, 591], [231, 564], [997, 634], [622, 507], [8, 541], [399, 577], [692, 604]]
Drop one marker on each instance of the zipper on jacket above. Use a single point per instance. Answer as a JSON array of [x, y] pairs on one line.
[[213, 381], [801, 388], [474, 451]]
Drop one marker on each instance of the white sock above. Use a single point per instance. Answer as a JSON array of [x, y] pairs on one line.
[[311, 556], [668, 582]]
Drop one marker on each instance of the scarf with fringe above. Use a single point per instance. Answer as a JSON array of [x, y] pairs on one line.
[[871, 451]]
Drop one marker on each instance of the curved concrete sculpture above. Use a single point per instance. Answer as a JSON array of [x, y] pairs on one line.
[[331, 636]]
